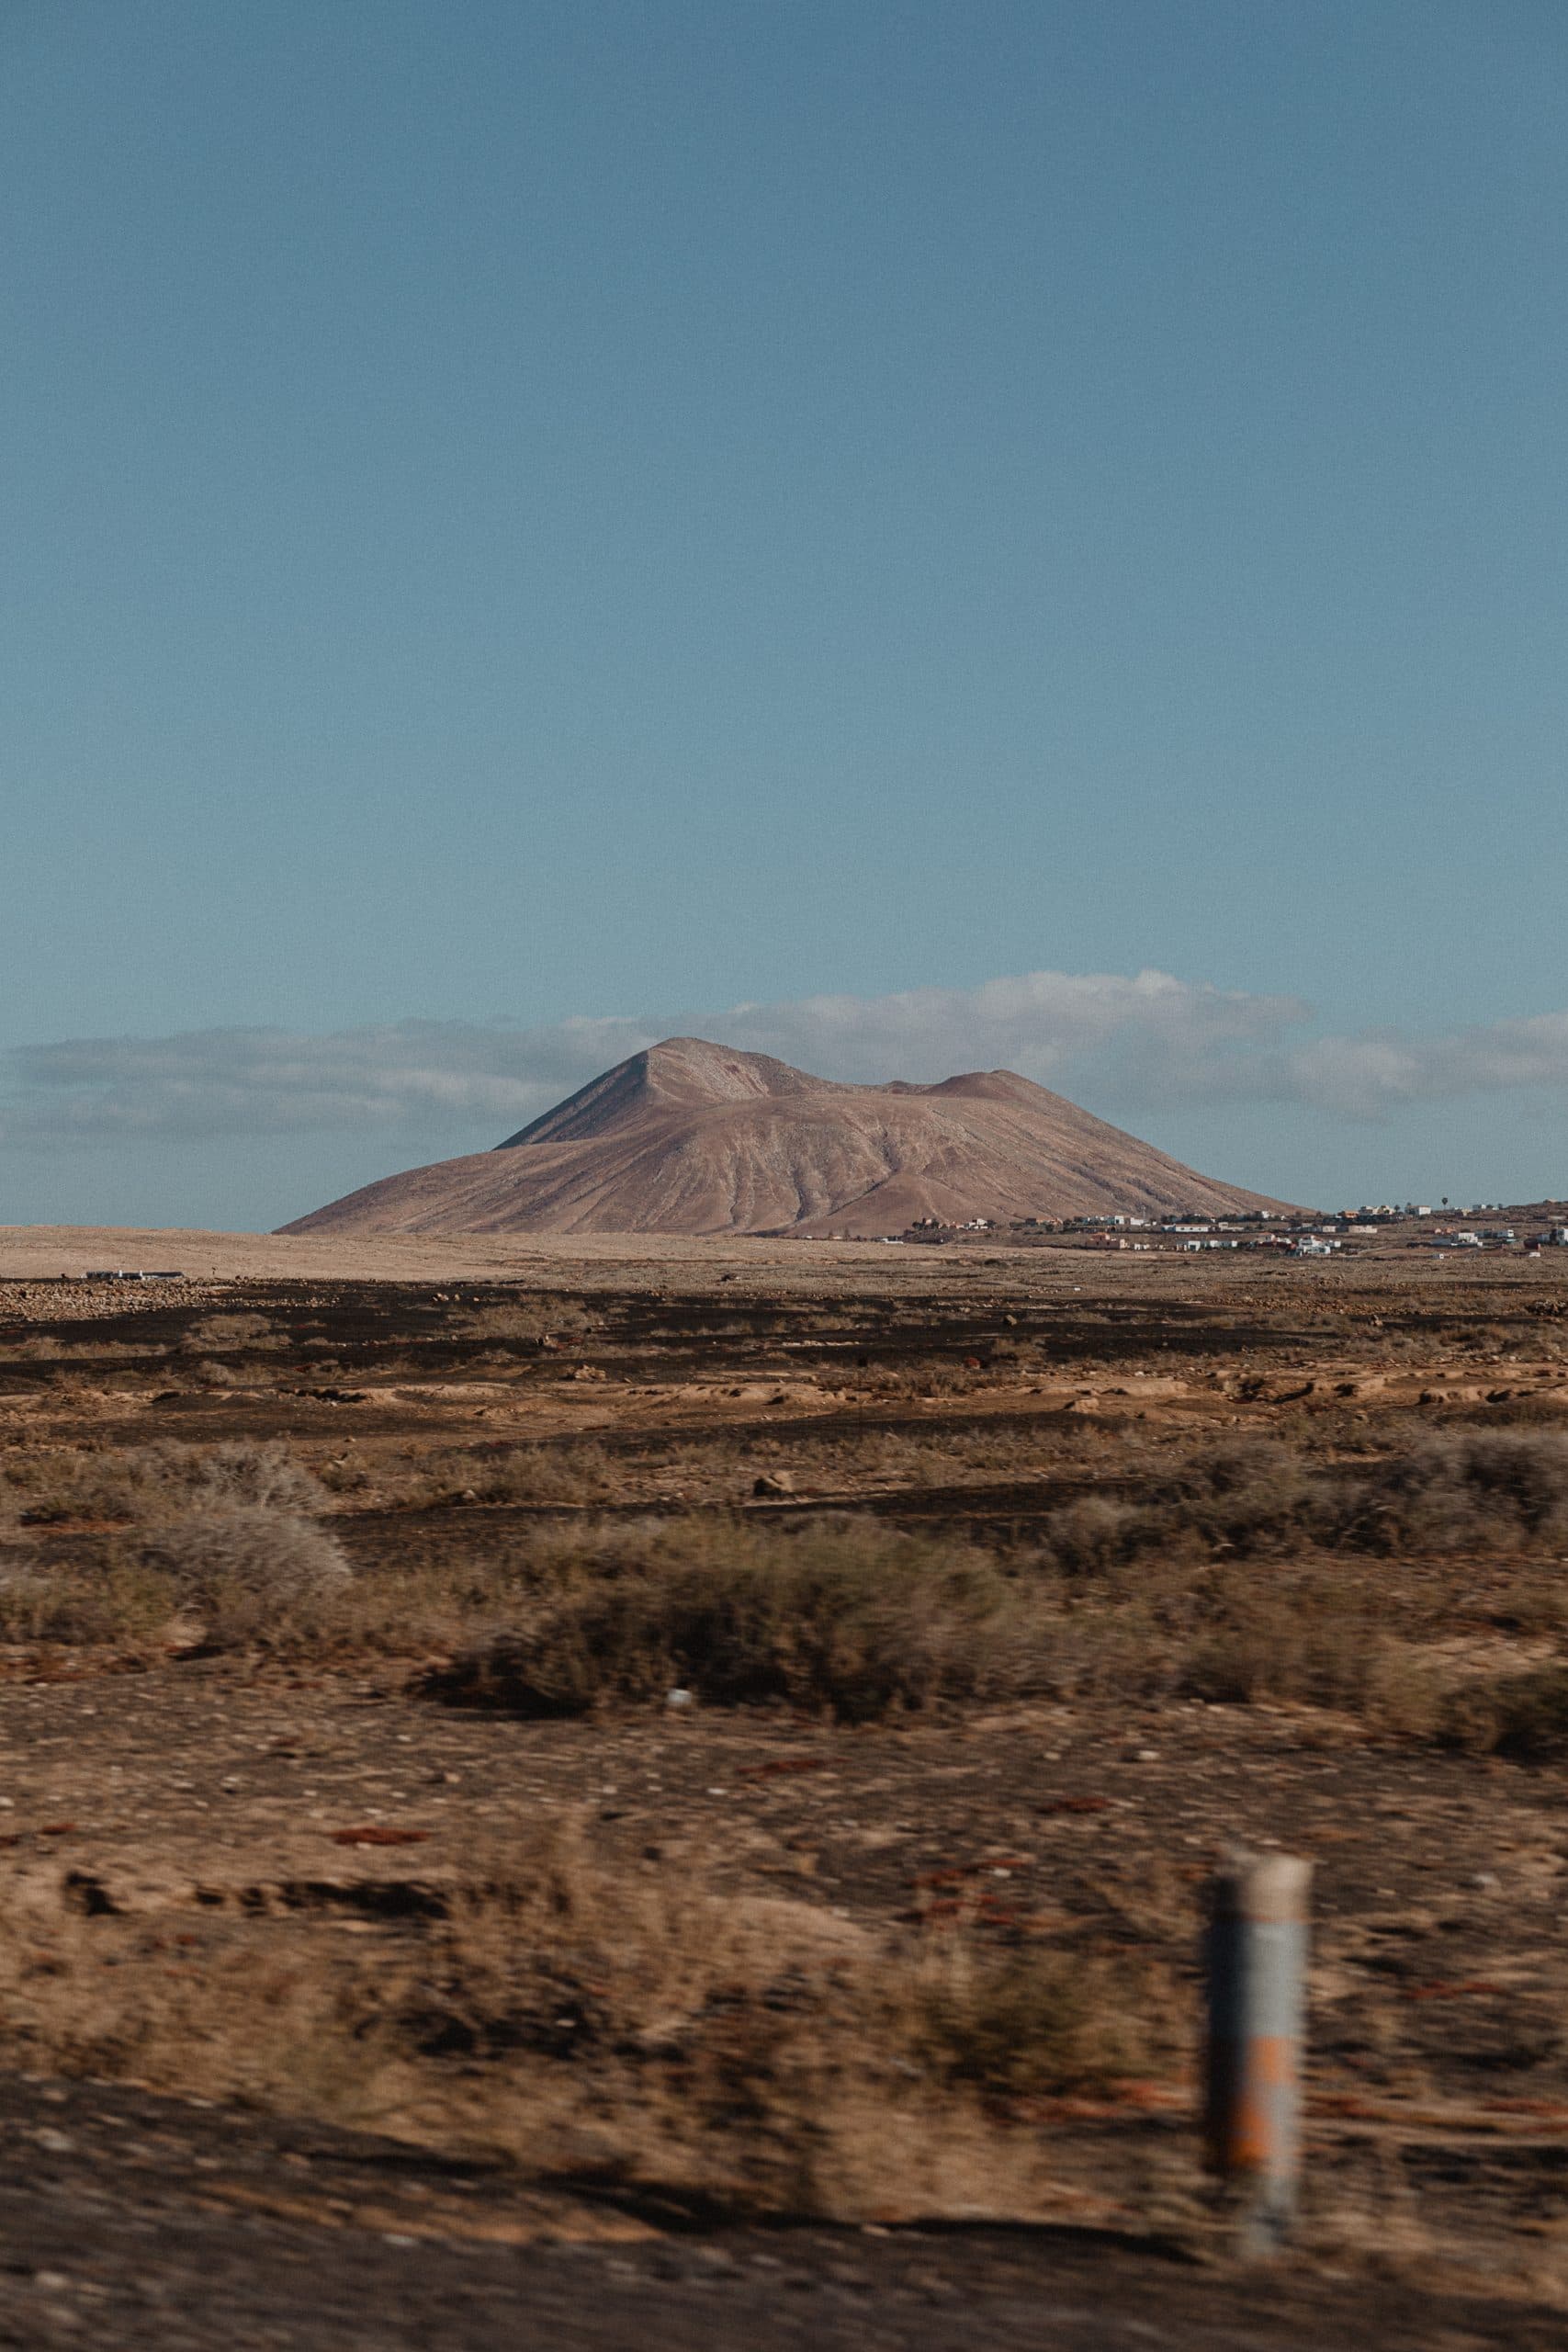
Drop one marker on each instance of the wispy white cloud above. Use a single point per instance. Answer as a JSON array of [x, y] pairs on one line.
[[420, 1074], [1146, 1030], [1368, 1077], [1120, 1041]]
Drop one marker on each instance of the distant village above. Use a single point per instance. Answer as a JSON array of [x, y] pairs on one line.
[[1412, 1225]]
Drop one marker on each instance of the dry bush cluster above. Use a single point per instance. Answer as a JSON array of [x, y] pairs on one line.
[[1243, 1576], [1456, 1490], [528, 1321], [227, 1534], [149, 1481], [847, 1617], [840, 1615]]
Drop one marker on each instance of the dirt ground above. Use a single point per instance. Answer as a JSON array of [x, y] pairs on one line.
[[139, 2221], [245, 2101]]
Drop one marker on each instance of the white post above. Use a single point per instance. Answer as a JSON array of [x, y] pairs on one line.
[[1256, 1971]]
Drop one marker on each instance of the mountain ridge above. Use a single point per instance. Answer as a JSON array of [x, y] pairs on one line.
[[689, 1136]]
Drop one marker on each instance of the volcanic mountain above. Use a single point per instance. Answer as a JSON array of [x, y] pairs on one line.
[[691, 1137]]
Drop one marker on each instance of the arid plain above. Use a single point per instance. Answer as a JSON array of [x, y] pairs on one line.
[[693, 1764]]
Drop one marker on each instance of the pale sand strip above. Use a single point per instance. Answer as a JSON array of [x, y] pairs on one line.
[[41, 1252]]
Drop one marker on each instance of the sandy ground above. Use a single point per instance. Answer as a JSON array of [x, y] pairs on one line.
[[40, 1252], [49, 1253]]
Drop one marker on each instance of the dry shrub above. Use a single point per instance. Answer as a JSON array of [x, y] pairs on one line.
[[1523, 1715], [256, 1574], [74, 1483], [529, 1319], [1313, 1637], [1096, 1535], [1027, 2021], [266, 1476], [544, 1948], [229, 1331], [541, 1473], [1249, 1495], [1249, 1489], [1462, 1489], [151, 1482], [843, 1615], [579, 1472], [524, 1474]]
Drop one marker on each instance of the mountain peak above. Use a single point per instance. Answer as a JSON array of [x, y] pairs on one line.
[[679, 1073]]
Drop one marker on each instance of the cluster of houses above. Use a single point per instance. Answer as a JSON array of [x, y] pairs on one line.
[[1271, 1230], [1300, 1236], [1499, 1237]]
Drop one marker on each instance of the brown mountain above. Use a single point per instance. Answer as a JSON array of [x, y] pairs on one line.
[[689, 1138]]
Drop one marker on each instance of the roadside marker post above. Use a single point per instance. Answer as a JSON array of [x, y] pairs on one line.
[[1255, 1964]]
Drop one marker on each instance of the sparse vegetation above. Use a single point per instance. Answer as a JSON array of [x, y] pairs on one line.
[[147, 1482], [1505, 1489], [125, 1601], [904, 1884], [551, 2003], [843, 1616]]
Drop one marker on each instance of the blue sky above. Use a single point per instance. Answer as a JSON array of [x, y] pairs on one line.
[[522, 527]]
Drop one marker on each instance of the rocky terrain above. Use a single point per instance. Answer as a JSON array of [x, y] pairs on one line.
[[695, 1138]]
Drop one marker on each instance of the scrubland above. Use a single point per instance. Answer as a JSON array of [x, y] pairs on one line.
[[753, 1745]]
